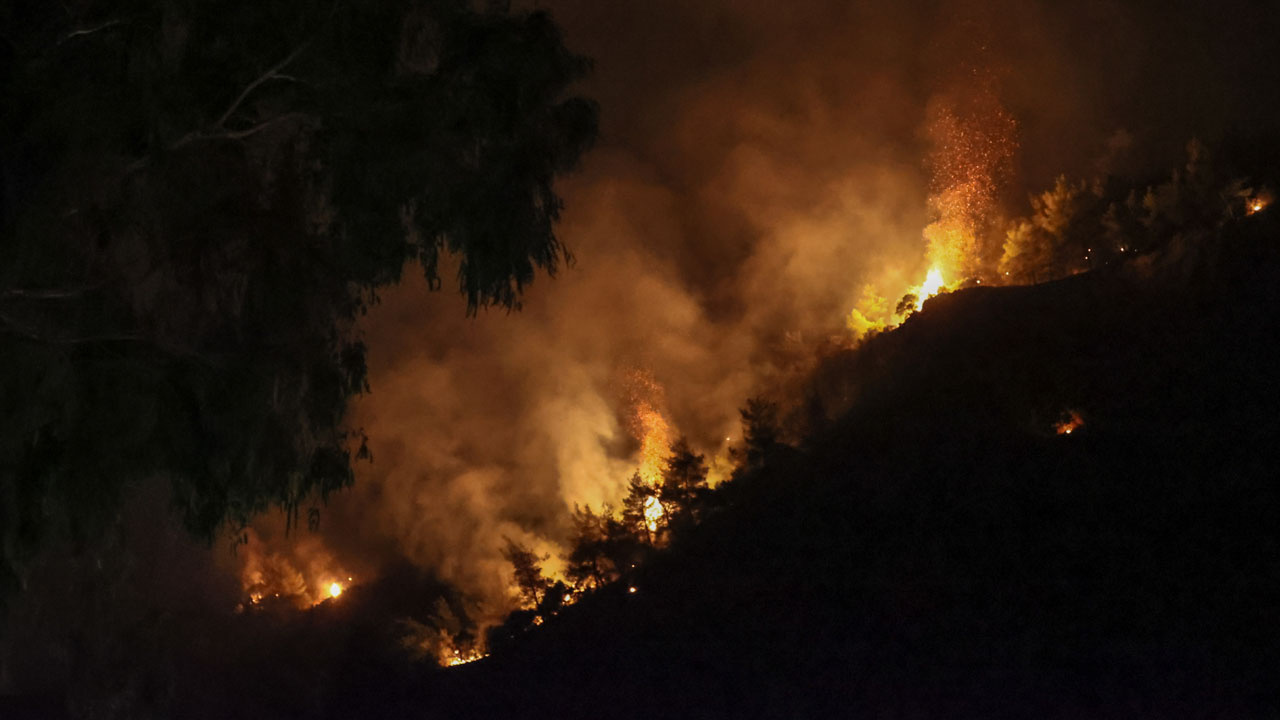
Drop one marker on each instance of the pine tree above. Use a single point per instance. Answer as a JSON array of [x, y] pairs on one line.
[[684, 484]]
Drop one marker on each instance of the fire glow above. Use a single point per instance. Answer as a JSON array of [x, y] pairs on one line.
[[1070, 423], [300, 573], [974, 142], [933, 284], [651, 428]]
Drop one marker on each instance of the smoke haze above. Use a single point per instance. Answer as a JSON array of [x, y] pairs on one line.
[[760, 163]]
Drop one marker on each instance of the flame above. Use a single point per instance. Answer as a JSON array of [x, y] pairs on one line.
[[296, 571], [462, 658], [1070, 423], [974, 141], [650, 427], [1257, 204], [933, 284], [655, 442], [653, 512]]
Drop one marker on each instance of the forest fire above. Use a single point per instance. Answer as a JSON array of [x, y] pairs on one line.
[[933, 284], [1071, 421], [1257, 204], [650, 427], [462, 658], [974, 141], [301, 576]]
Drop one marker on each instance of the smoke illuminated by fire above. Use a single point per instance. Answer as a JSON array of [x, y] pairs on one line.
[[300, 573], [974, 140], [1070, 422], [651, 428], [837, 166]]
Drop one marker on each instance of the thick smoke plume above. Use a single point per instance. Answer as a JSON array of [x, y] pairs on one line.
[[761, 164]]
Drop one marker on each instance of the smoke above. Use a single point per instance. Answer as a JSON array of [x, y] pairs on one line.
[[761, 164]]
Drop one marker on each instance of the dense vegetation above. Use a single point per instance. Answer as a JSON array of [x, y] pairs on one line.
[[198, 199]]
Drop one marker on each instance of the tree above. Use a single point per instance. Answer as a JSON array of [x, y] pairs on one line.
[[1062, 235], [197, 200], [636, 513], [906, 307], [761, 434], [527, 573], [589, 565], [683, 489]]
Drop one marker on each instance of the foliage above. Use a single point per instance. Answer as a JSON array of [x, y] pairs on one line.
[[527, 570], [603, 548], [906, 307], [1057, 238], [761, 434], [683, 490], [1078, 226], [197, 200], [634, 505]]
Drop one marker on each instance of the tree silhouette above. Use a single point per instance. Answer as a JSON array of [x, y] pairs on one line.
[[198, 200], [906, 307], [589, 566], [527, 571], [761, 434], [635, 506], [683, 490]]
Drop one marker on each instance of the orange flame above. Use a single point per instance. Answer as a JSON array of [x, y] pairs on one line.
[[650, 427], [654, 434], [933, 284], [1070, 423], [974, 141], [297, 572]]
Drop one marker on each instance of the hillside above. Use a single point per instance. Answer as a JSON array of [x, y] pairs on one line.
[[937, 550]]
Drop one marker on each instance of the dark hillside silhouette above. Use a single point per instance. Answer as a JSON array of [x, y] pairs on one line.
[[940, 550]]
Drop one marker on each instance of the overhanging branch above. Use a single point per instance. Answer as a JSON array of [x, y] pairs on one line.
[[88, 31], [272, 74]]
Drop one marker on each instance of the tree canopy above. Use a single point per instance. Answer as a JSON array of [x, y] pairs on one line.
[[198, 199]]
